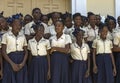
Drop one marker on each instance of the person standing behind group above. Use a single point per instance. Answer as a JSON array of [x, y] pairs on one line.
[[14, 52]]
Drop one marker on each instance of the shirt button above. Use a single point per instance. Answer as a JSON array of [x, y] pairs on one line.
[[37, 49]]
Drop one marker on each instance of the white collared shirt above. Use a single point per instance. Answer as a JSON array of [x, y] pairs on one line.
[[116, 40], [29, 30], [71, 30], [102, 46], [61, 42], [39, 48], [14, 43], [79, 53], [52, 29], [92, 33]]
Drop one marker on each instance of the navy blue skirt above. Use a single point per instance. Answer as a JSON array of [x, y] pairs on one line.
[[117, 61], [105, 71], [59, 67], [9, 76], [79, 69], [38, 70]]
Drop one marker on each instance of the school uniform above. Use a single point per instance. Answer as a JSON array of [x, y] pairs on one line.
[[29, 30], [103, 60], [111, 35], [71, 30], [52, 30], [116, 42], [39, 65], [59, 60], [91, 34], [16, 53], [79, 65]]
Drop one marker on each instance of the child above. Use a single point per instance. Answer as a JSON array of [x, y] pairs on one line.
[[27, 19], [14, 51], [81, 59], [103, 60], [29, 32], [60, 47], [45, 19], [40, 62]]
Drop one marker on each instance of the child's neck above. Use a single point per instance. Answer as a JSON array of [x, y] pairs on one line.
[[59, 35], [15, 33], [38, 38], [79, 43]]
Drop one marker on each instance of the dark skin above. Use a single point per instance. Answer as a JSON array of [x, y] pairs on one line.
[[3, 24], [39, 33], [45, 19], [118, 21], [16, 27], [68, 22], [98, 20], [59, 26], [103, 34], [79, 38], [36, 17], [92, 21], [111, 25], [78, 21], [27, 19], [56, 16]]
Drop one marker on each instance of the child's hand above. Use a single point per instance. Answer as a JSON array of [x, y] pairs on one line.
[[52, 50], [1, 74], [48, 75], [95, 69], [21, 65], [15, 67], [87, 73], [114, 72]]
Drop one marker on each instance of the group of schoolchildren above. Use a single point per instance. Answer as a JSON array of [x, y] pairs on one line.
[[59, 48]]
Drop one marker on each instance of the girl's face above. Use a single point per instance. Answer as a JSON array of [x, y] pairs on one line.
[[68, 22], [27, 19], [79, 36], [45, 19], [98, 20], [92, 19], [104, 32], [3, 23], [55, 17], [59, 26], [37, 14], [40, 31], [16, 25], [111, 24], [78, 21]]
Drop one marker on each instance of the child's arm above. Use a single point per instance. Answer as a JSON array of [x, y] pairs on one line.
[[113, 63], [63, 50], [116, 48], [25, 57], [48, 58], [94, 61], [5, 56], [88, 70]]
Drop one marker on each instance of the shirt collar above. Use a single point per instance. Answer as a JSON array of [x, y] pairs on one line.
[[77, 46], [89, 27], [41, 40], [11, 33]]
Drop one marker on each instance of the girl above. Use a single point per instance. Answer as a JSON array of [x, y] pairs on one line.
[[27, 19], [77, 18], [81, 59], [14, 51], [45, 19], [40, 62], [103, 60], [60, 47]]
